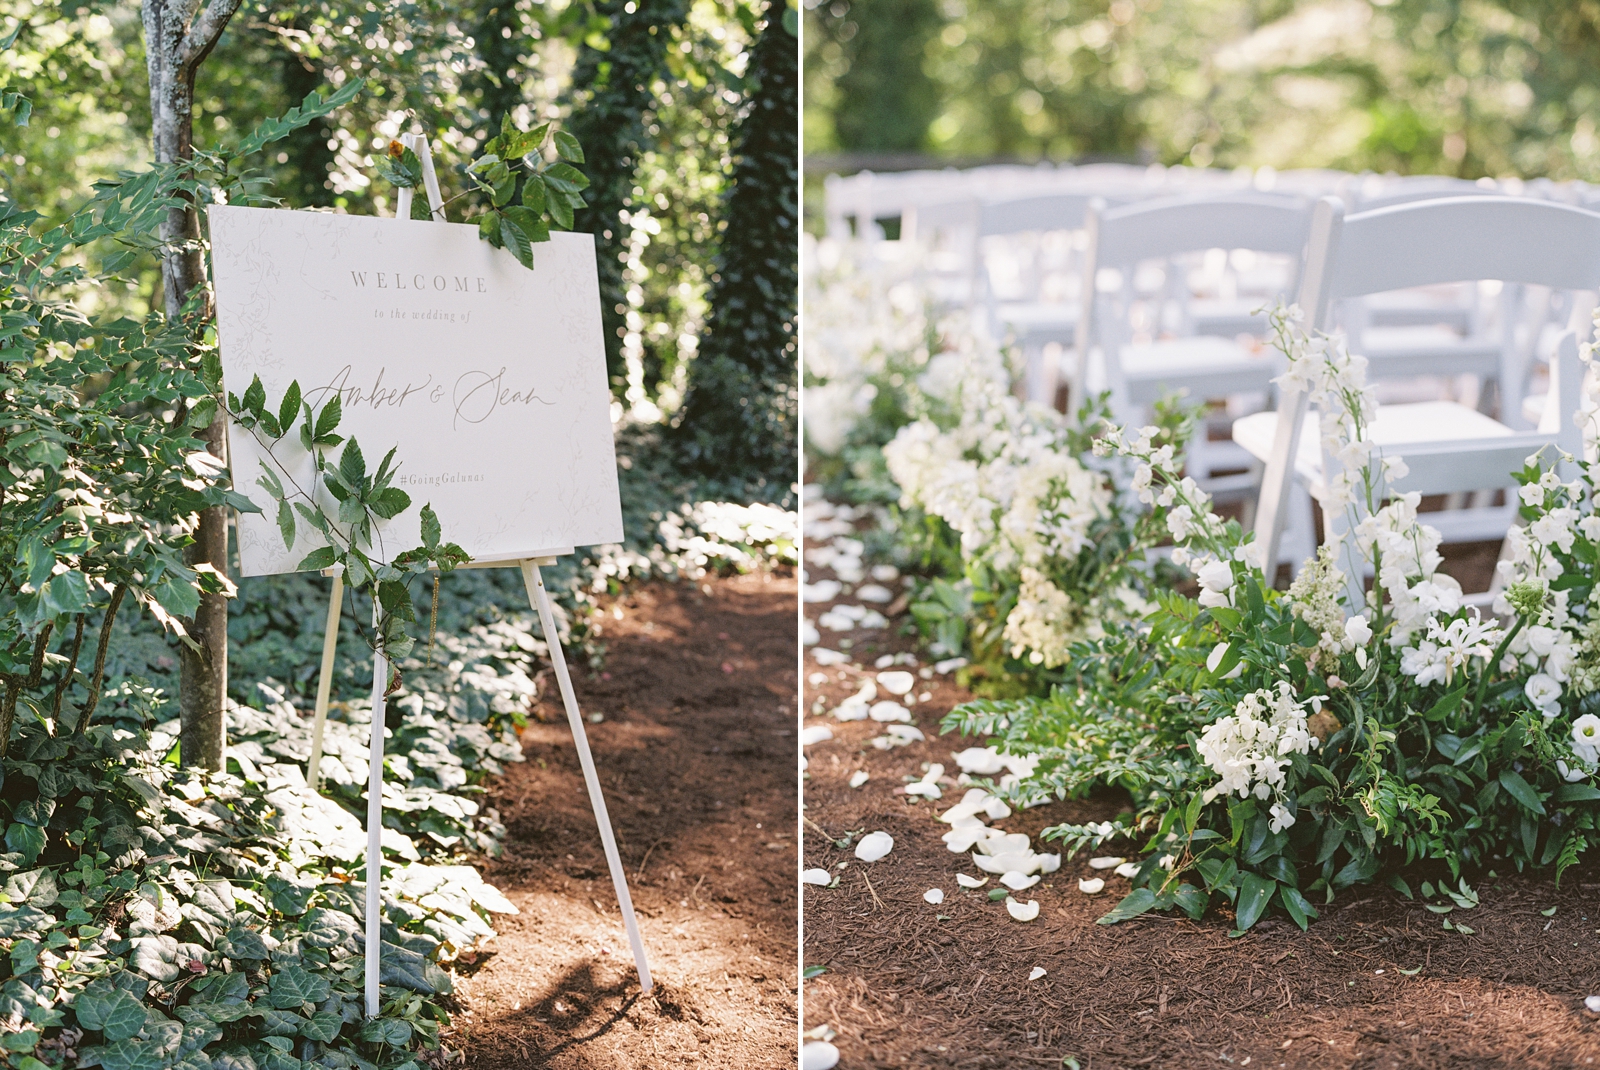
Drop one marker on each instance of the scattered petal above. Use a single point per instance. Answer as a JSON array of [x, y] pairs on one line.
[[1036, 973], [859, 777], [821, 591], [818, 1055], [949, 665], [874, 845], [980, 760], [1105, 863], [1018, 881], [970, 882], [1593, 1003], [1128, 870], [904, 733], [816, 876], [823, 656], [816, 733], [1022, 911], [874, 593], [1092, 886], [997, 809], [898, 682], [889, 711], [934, 896]]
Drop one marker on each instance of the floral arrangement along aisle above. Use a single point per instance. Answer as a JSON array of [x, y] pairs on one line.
[[1280, 747]]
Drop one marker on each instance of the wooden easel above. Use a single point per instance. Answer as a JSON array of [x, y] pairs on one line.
[[539, 598]]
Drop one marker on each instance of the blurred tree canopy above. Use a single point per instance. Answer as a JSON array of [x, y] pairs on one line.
[[1463, 87], [655, 89]]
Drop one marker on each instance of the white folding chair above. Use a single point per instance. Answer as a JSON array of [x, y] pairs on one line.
[[1448, 447], [1138, 370]]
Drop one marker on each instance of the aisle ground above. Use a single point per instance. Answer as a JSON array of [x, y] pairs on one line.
[[696, 755], [1376, 983]]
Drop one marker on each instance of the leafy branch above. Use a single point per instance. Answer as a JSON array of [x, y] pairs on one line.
[[352, 541], [540, 161]]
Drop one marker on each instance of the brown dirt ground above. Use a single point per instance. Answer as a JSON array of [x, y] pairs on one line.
[[909, 984], [696, 755]]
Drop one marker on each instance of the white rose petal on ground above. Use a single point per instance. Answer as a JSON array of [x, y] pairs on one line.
[[1049, 863], [1036, 973], [1022, 911], [934, 896], [897, 682], [818, 1055], [874, 845], [859, 777], [903, 734], [970, 882], [835, 621], [997, 809], [885, 573], [851, 709], [824, 656], [1127, 870], [821, 591], [809, 636], [874, 593], [1018, 881], [949, 665], [874, 619], [1092, 886], [1593, 1003], [889, 711], [980, 760], [816, 733], [1105, 863], [816, 876]]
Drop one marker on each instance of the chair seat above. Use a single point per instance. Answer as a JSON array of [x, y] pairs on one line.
[[1228, 318], [1205, 366], [1038, 324], [1443, 431]]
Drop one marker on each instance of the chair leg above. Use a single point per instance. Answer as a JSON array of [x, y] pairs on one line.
[[1299, 541]]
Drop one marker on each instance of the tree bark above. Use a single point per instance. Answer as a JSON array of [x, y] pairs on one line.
[[178, 38]]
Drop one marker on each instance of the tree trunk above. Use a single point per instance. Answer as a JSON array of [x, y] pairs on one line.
[[178, 38]]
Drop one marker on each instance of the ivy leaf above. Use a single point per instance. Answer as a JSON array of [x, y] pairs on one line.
[[391, 1031], [293, 985], [567, 147], [127, 1055], [36, 888], [323, 1026], [26, 840], [177, 596], [116, 1014], [66, 593]]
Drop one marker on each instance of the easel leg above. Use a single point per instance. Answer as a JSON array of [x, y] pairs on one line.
[[541, 601], [380, 679], [330, 639]]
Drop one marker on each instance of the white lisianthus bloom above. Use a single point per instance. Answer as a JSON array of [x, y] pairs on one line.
[[1357, 631], [1246, 748], [1281, 817], [1543, 691], [1586, 737]]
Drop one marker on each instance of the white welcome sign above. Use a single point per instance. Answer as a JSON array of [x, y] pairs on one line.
[[489, 377]]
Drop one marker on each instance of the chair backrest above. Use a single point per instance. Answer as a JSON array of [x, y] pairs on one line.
[[1122, 238], [1034, 212], [1446, 240], [1424, 243]]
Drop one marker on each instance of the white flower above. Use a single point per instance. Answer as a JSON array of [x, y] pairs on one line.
[[1246, 748], [1092, 886], [1586, 737], [1216, 576], [1281, 817], [1543, 691], [1357, 632]]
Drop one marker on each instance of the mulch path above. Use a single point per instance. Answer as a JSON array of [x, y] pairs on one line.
[[911, 984], [696, 755]]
